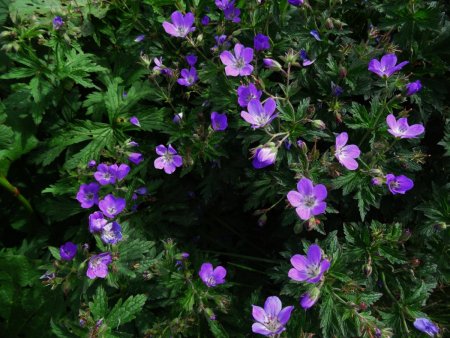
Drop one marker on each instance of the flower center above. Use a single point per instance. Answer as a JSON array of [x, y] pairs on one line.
[[181, 30], [168, 157], [211, 281], [272, 324], [309, 201], [240, 63], [111, 210], [313, 270], [89, 196]]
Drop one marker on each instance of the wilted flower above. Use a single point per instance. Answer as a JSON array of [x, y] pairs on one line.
[[315, 34], [399, 184], [308, 200], [346, 154], [205, 20], [426, 326], [181, 24], [111, 233], [387, 66], [261, 42], [239, 63], [219, 122], [212, 277], [134, 121], [136, 158], [111, 205], [265, 156], [402, 129], [139, 38], [247, 93], [98, 265], [88, 195], [309, 268], [272, 64], [191, 59], [272, 319], [188, 77], [168, 160], [67, 251], [305, 58], [258, 115], [413, 87], [58, 22], [96, 222], [296, 2]]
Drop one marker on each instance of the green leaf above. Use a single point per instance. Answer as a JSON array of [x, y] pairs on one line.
[[55, 252], [126, 312], [99, 306]]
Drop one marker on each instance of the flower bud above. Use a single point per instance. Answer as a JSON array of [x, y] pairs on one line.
[[441, 225], [405, 235], [265, 156], [145, 60], [329, 23], [272, 64], [367, 268], [262, 220], [342, 72], [318, 124], [291, 56], [308, 299]]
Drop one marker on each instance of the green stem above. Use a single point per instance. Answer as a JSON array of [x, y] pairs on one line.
[[12, 189]]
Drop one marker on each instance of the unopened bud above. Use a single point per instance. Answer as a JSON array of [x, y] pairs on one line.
[[272, 64], [367, 268], [262, 220], [343, 72], [318, 124], [329, 23]]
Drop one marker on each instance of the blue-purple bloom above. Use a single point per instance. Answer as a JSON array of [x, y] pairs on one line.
[[232, 14], [188, 77], [88, 195], [305, 58], [261, 42], [248, 93], [309, 268], [136, 158], [386, 66], [160, 68], [111, 233], [239, 63], [308, 199], [107, 174], [191, 59], [346, 154], [258, 115], [402, 129], [336, 90], [399, 184], [219, 122], [315, 35], [221, 40], [111, 206], [139, 38], [91, 164], [426, 326], [135, 121], [210, 276], [272, 319], [181, 24], [224, 4], [121, 171], [58, 22], [205, 20], [265, 156], [67, 251], [98, 265], [96, 222], [296, 2], [168, 160], [413, 87]]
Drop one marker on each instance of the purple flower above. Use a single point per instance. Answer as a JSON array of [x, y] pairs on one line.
[[98, 265], [309, 268], [221, 41], [402, 129], [219, 122], [205, 20], [160, 68], [247, 93], [191, 59], [224, 4], [134, 121], [413, 87], [336, 90], [212, 277], [239, 63], [67, 251], [120, 171], [399, 184], [346, 154], [168, 160], [136, 158], [308, 299], [265, 156], [259, 116], [96, 222], [185, 255], [177, 118], [305, 58], [308, 200], [111, 205], [58, 22], [261, 42], [376, 181], [132, 144], [387, 66], [271, 320], [181, 24], [139, 38], [111, 233], [105, 174], [315, 34], [296, 2], [426, 326], [88, 195], [272, 64], [91, 164], [188, 77]]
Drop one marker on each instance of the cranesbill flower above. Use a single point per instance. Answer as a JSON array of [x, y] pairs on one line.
[[239, 63], [67, 251], [139, 38], [120, 171], [346, 154], [160, 68], [134, 121], [136, 158], [259, 116], [296, 2], [247, 93], [402, 129], [191, 59], [265, 156], [105, 174], [111, 233], [224, 4], [272, 319], [221, 40], [98, 265], [232, 14], [399, 184], [426, 326], [205, 20], [168, 160], [111, 205], [87, 195], [188, 77], [58, 22], [261, 42], [219, 122], [305, 58], [96, 222], [309, 268], [315, 35], [336, 90], [212, 277], [413, 87], [308, 200], [308, 299], [181, 24], [386, 66]]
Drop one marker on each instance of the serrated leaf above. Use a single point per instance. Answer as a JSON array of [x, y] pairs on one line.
[[126, 312]]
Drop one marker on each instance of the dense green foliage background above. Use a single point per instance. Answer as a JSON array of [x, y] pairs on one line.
[[62, 105]]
